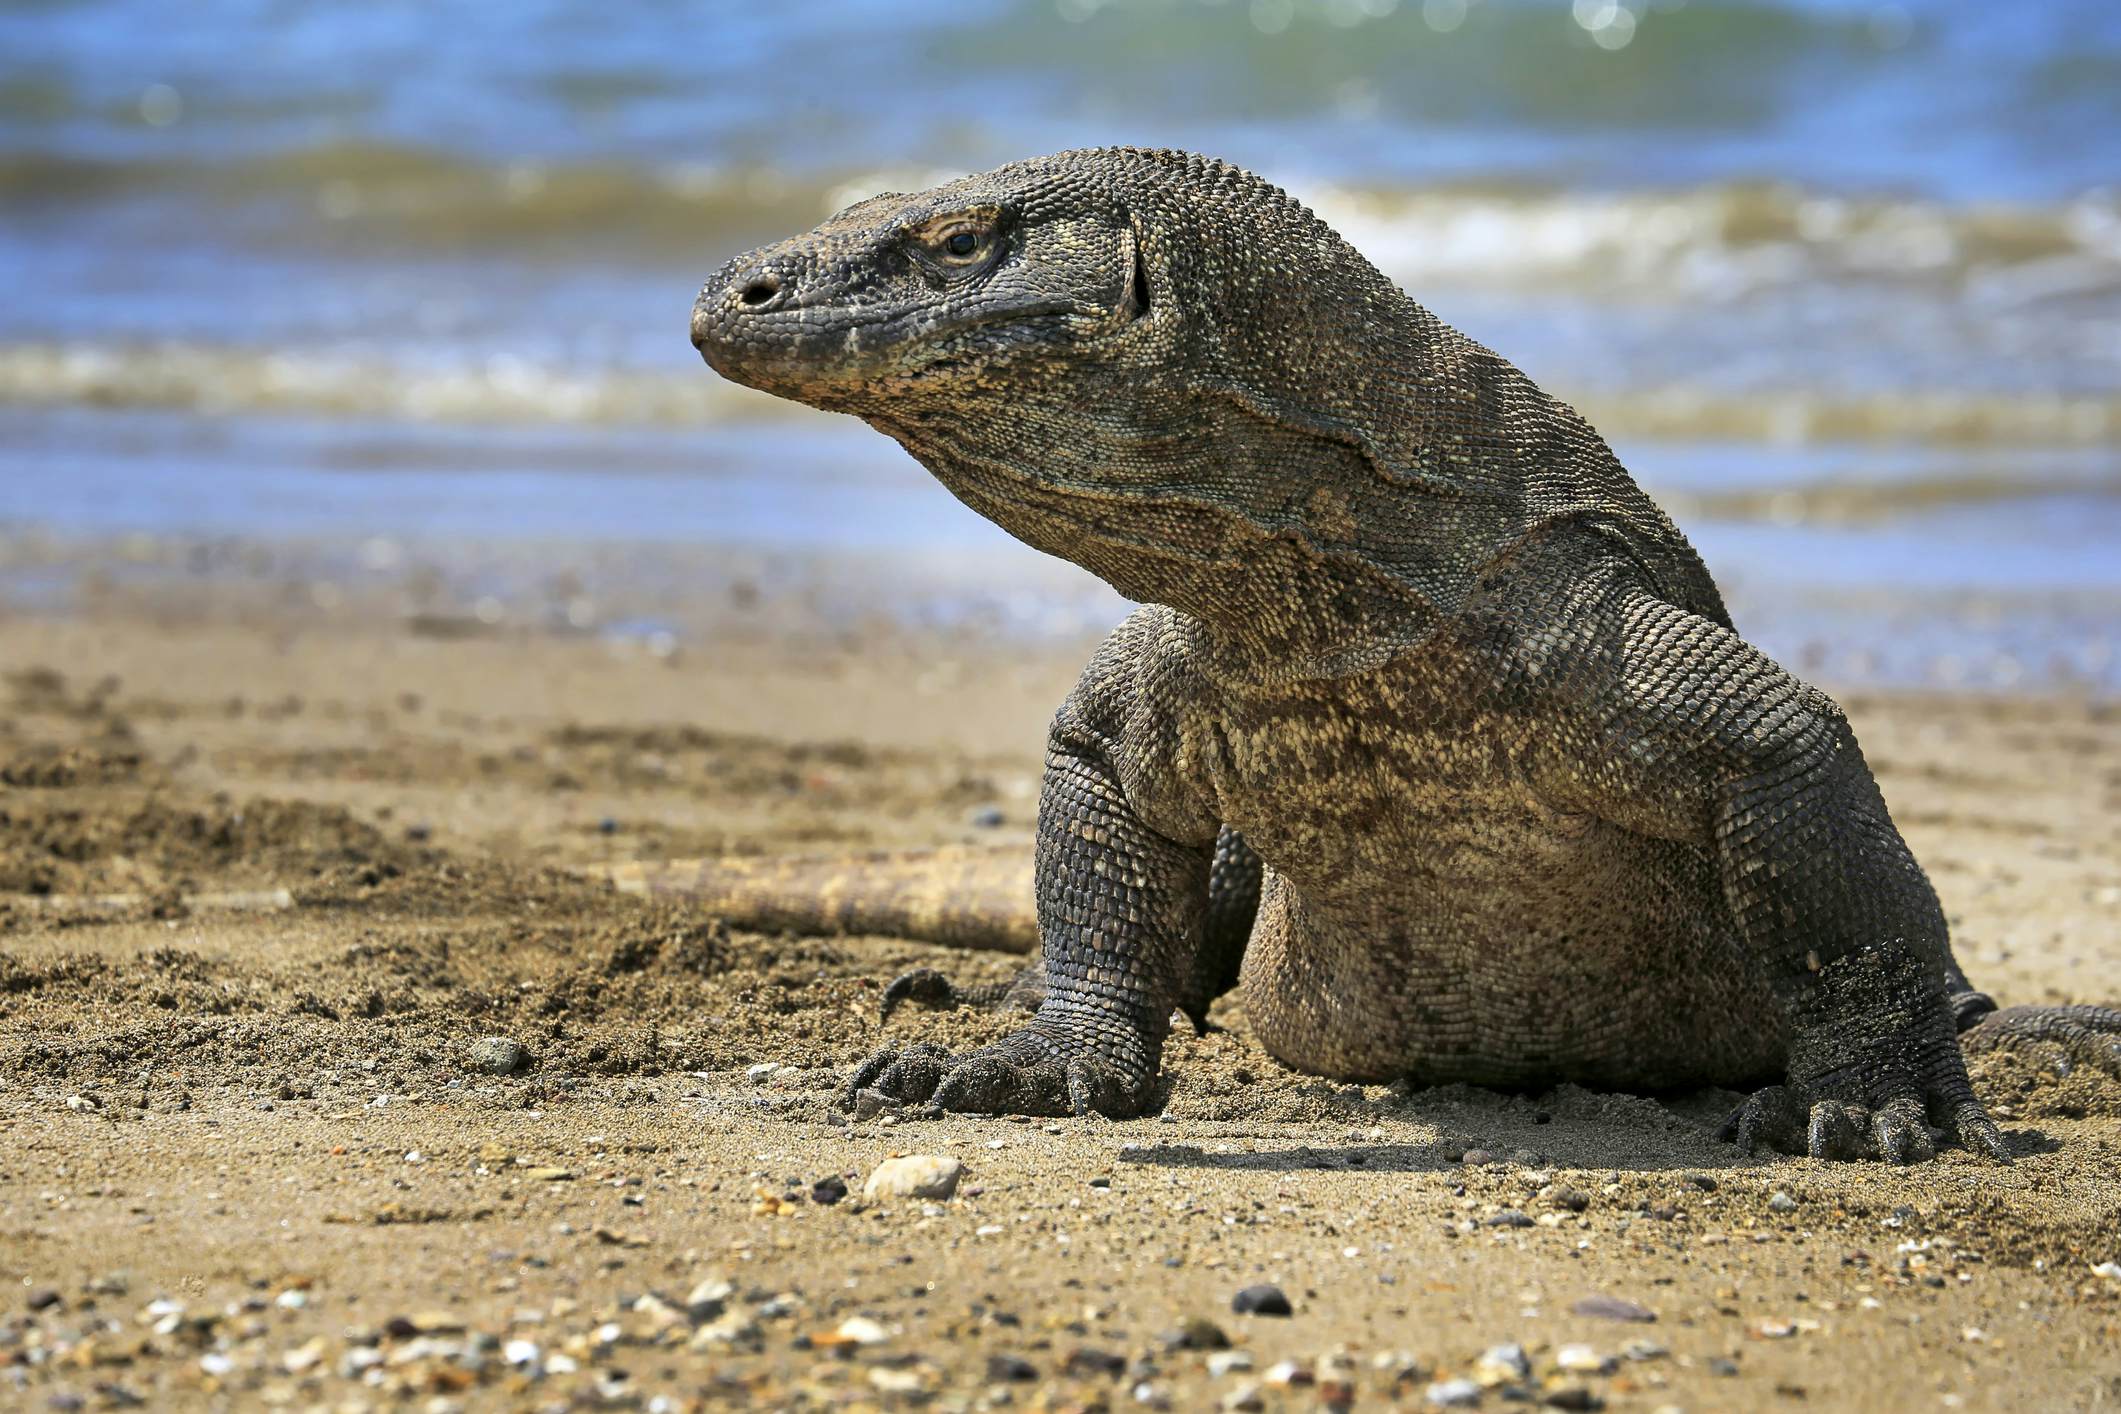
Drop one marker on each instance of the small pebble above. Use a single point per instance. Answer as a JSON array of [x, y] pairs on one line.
[[1780, 1202], [914, 1176], [707, 1299], [988, 817], [1612, 1308], [1083, 1361], [1583, 1360], [828, 1190], [1228, 1362], [1453, 1394], [1010, 1369], [1476, 1157], [43, 1298], [1571, 1397], [1196, 1333], [1288, 1374], [496, 1055], [862, 1331], [1246, 1397], [1510, 1217], [1502, 1365], [1262, 1300]]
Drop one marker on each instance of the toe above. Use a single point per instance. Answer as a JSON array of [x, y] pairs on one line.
[[983, 1083], [912, 1078], [1835, 1131], [1095, 1088], [1973, 1128], [1774, 1119], [1901, 1132]]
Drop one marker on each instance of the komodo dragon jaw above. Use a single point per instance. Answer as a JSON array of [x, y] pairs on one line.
[[1431, 717]]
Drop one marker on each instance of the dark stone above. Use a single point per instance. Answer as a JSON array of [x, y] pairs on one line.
[[1084, 1361], [1510, 1217], [1009, 1369], [1196, 1334], [828, 1190], [1262, 1300]]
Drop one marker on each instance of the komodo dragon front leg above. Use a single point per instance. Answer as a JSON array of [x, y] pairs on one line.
[[1122, 873], [1676, 727], [1233, 901]]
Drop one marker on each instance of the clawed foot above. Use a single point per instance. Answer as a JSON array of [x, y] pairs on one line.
[[1892, 1104], [2085, 1035], [1033, 1072]]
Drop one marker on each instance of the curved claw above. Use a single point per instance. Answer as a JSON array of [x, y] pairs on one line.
[[923, 986]]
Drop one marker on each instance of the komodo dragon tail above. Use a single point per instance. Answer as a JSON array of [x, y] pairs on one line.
[[974, 897]]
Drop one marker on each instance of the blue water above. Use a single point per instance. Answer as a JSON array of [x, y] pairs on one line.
[[395, 269]]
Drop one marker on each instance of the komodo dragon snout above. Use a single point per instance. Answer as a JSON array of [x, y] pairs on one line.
[[896, 296]]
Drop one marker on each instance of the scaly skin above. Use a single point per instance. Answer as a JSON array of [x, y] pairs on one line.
[[1529, 809]]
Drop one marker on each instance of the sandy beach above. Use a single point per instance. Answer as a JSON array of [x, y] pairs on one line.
[[259, 1154]]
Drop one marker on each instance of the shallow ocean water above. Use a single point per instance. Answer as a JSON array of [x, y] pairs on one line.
[[1841, 281]]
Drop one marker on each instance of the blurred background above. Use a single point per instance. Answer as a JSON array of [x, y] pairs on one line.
[[342, 310]]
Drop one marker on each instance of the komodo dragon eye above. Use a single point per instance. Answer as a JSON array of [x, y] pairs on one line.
[[959, 245]]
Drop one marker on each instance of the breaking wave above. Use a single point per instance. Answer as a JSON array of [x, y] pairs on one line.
[[236, 381]]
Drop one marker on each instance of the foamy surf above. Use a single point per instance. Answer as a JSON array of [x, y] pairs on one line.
[[229, 381]]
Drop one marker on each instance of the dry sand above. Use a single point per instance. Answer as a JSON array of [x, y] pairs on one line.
[[247, 1155]]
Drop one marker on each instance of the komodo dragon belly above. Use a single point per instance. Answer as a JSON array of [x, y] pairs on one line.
[[1425, 914]]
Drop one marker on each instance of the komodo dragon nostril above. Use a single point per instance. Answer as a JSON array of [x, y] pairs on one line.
[[760, 290]]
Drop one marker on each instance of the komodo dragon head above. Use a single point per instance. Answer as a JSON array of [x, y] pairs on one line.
[[1163, 368]]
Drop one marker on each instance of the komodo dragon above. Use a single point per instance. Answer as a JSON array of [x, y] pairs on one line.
[[1431, 719]]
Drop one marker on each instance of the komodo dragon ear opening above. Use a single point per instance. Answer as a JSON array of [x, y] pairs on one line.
[[1138, 287]]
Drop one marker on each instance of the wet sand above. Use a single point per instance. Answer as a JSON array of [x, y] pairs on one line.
[[250, 1155]]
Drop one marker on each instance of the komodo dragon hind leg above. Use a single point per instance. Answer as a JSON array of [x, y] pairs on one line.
[[1233, 900]]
